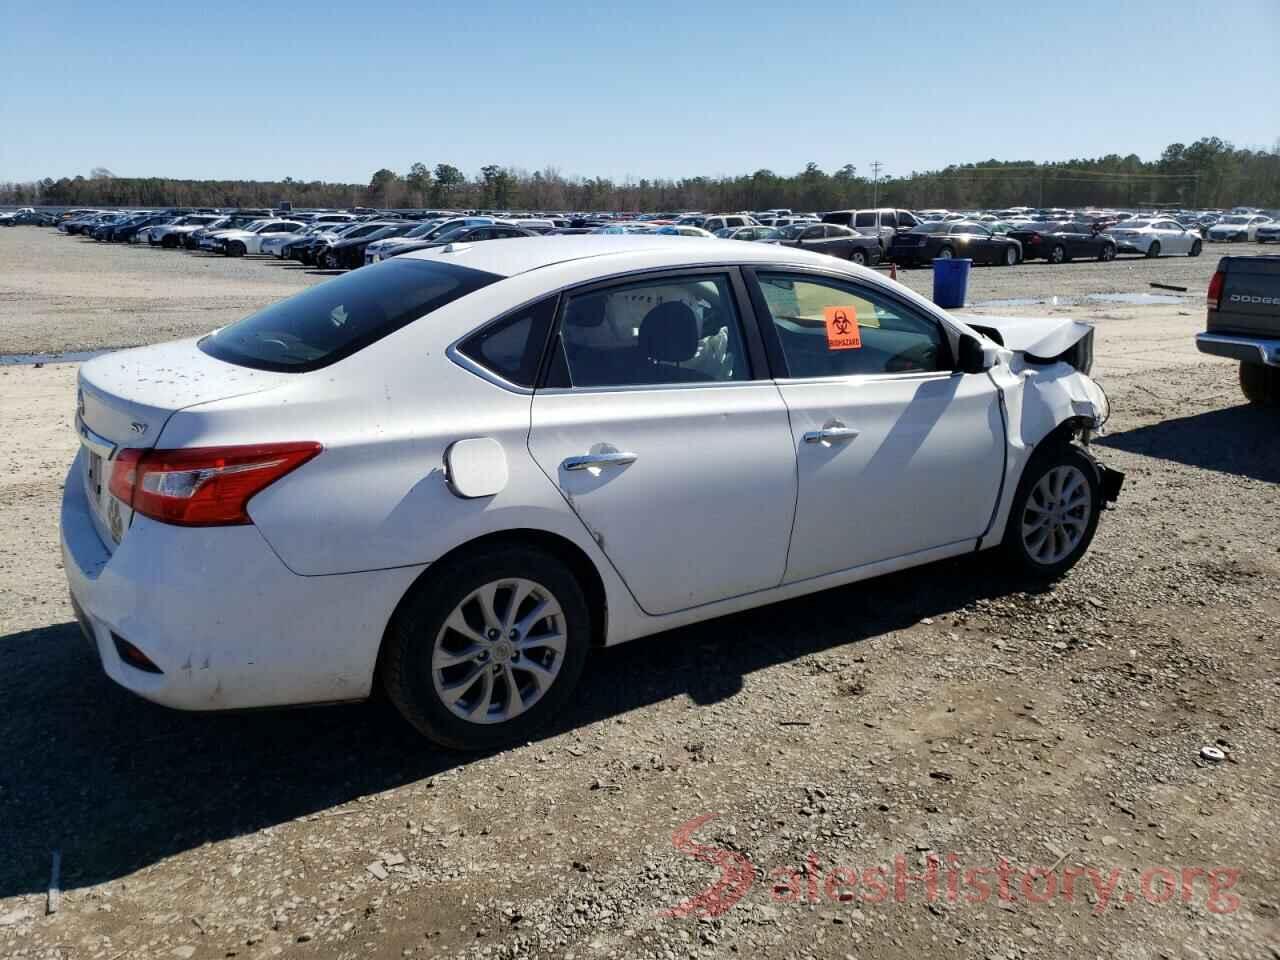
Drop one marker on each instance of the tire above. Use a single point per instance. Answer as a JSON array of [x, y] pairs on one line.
[[1261, 385], [1196, 247], [422, 629], [169, 242], [1040, 538], [946, 253], [1058, 254], [858, 257], [235, 249], [1009, 258], [1108, 252], [1153, 251]]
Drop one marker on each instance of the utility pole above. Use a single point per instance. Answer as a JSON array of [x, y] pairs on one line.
[[876, 166]]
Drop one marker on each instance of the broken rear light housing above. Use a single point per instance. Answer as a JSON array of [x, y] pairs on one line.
[[203, 486]]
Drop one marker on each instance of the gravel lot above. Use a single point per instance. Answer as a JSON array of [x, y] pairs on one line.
[[943, 711]]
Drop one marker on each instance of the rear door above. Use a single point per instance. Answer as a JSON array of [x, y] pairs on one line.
[[895, 452], [659, 425]]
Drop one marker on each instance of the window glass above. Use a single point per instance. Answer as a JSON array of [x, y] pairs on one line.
[[512, 346], [813, 233], [334, 319], [889, 219], [665, 330], [831, 329], [865, 219]]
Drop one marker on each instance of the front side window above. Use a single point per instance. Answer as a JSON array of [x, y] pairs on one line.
[[829, 328], [335, 319], [667, 330]]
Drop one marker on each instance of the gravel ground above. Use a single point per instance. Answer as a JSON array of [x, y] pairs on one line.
[[946, 711]]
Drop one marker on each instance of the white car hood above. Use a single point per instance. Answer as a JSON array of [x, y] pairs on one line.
[[1037, 336]]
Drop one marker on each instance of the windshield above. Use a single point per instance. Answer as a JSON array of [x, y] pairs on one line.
[[341, 316]]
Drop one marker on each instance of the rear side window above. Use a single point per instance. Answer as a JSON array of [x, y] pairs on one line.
[[512, 347], [865, 219], [335, 319]]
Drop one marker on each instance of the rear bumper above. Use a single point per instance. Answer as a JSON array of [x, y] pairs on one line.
[[227, 624], [1242, 348]]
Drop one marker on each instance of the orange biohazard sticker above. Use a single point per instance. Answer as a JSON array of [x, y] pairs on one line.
[[842, 328]]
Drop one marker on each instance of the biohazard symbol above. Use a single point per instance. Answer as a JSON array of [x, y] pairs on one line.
[[842, 328]]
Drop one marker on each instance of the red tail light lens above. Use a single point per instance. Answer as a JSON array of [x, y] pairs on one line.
[[1215, 289], [1035, 238], [203, 486]]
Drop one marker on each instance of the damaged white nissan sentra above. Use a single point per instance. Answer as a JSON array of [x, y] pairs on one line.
[[453, 473]]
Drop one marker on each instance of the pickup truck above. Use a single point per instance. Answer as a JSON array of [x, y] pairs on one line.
[[1244, 323]]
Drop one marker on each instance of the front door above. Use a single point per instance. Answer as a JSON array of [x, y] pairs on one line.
[[672, 449], [896, 452]]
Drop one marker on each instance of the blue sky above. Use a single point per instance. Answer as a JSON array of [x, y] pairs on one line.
[[332, 91]]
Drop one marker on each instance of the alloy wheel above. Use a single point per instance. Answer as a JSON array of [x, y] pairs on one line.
[[499, 651], [1056, 515]]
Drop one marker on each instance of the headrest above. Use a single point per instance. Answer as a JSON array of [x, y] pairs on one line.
[[669, 332], [585, 311]]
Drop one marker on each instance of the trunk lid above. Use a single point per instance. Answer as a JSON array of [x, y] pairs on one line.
[[124, 399]]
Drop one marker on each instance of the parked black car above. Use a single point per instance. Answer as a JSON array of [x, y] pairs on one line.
[[308, 250], [348, 252], [488, 231], [127, 229], [1060, 242], [959, 238], [831, 239]]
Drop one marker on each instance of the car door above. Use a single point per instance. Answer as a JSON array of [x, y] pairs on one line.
[[667, 439], [1172, 237], [896, 453]]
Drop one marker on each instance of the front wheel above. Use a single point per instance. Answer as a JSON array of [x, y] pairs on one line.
[[1054, 513], [1154, 249], [1108, 253], [169, 242], [479, 656], [235, 249], [1010, 257], [1196, 247]]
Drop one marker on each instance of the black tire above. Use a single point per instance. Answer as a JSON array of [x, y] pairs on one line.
[[1261, 385], [858, 257], [1196, 247], [1108, 252], [235, 249], [405, 668], [1009, 257], [169, 242], [1058, 254], [1042, 462], [1153, 251], [946, 253]]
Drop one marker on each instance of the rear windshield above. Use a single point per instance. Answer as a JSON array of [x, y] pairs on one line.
[[336, 318]]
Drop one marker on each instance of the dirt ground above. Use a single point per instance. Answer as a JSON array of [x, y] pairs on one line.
[[944, 712]]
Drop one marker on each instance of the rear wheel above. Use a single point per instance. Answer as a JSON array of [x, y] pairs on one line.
[[1261, 385], [1058, 254], [235, 249], [482, 654], [1196, 247], [1108, 253], [1054, 513], [946, 253], [1154, 249], [169, 242], [1010, 256], [858, 257]]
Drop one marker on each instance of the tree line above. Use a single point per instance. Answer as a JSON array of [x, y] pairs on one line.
[[1207, 173]]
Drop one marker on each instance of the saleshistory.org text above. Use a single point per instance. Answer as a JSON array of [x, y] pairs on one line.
[[945, 879]]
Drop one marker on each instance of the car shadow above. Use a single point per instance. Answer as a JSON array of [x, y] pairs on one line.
[[1238, 440], [115, 783]]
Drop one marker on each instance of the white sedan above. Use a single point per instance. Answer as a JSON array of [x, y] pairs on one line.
[[450, 475], [236, 243], [1237, 227], [1156, 238]]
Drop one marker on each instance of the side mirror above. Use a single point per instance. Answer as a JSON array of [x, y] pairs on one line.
[[973, 357]]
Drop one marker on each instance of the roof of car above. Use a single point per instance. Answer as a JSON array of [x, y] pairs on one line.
[[510, 257]]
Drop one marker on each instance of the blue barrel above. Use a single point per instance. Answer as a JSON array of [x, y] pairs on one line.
[[950, 281]]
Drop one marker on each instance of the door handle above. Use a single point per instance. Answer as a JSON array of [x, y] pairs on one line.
[[616, 459], [830, 435]]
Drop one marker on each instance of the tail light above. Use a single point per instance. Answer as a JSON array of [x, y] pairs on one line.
[[1035, 238], [203, 486], [1215, 289]]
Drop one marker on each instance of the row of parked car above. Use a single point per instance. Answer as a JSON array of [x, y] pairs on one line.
[[341, 240]]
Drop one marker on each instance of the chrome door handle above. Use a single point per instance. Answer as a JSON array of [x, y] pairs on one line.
[[619, 459], [830, 435]]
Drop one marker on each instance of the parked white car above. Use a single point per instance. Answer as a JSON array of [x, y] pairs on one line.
[[236, 243], [453, 473], [274, 243], [1237, 227], [1156, 238], [169, 235]]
